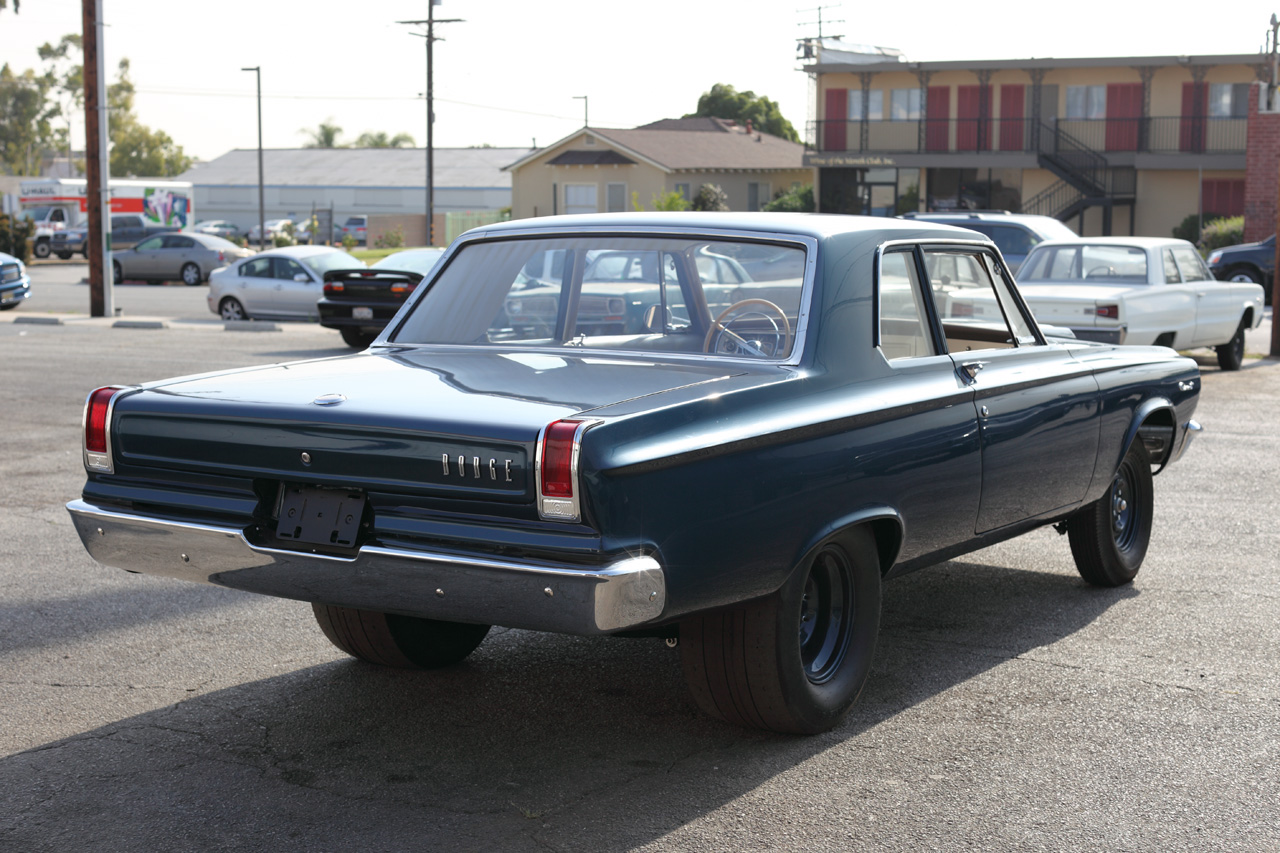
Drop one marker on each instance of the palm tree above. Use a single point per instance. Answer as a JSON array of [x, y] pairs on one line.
[[325, 136], [369, 139]]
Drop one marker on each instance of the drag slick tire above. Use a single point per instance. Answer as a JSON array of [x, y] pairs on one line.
[[405, 642], [796, 661], [1109, 537]]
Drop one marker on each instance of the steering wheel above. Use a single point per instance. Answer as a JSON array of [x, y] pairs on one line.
[[1100, 272], [722, 339]]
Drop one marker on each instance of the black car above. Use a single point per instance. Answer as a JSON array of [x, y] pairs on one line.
[[1254, 262], [360, 302]]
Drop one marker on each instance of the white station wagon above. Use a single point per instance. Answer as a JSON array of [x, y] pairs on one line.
[[1139, 290]]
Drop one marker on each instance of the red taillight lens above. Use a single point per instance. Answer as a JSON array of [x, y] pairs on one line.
[[222, 257], [95, 419], [557, 459], [1111, 312], [961, 309], [333, 287]]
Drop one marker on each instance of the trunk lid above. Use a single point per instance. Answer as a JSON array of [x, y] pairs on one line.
[[1072, 305]]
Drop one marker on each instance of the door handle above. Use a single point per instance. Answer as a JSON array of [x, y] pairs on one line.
[[971, 368]]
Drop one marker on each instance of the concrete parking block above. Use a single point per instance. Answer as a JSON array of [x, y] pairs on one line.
[[249, 326], [139, 324], [42, 320]]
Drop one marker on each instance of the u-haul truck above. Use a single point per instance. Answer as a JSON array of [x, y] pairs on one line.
[[57, 203]]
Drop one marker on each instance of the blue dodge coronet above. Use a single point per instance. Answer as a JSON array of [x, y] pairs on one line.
[[733, 467]]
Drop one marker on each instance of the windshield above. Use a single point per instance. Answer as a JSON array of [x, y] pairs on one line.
[[642, 294], [420, 261], [1089, 263], [38, 214], [335, 260]]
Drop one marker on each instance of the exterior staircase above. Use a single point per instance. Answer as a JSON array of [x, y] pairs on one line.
[[1085, 178]]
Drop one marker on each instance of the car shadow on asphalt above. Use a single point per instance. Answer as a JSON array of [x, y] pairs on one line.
[[537, 741]]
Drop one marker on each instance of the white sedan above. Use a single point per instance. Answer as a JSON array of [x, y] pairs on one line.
[[1139, 290], [282, 284]]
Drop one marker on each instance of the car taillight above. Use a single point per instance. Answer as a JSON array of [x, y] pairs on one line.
[[1111, 312], [333, 287], [222, 257], [97, 422], [402, 289], [557, 467]]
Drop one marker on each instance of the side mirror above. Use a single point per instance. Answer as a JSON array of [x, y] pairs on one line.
[[302, 277], [656, 320]]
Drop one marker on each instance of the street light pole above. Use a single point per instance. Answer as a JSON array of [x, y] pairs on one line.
[[262, 215], [430, 36]]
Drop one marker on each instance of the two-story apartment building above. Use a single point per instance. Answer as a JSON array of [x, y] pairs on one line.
[[1115, 145], [598, 170]]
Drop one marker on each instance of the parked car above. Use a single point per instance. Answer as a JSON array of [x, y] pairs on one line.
[[1015, 234], [15, 284], [358, 227], [127, 231], [1255, 262], [1140, 290], [279, 284], [273, 226], [740, 482], [189, 258], [218, 228], [302, 227], [360, 302]]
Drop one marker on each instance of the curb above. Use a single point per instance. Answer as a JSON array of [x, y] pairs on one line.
[[249, 326]]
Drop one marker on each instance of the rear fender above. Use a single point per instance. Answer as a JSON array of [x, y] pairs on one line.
[[885, 524]]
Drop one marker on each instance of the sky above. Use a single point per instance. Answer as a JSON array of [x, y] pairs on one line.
[[510, 74]]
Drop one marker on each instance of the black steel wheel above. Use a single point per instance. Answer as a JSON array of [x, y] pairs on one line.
[[191, 275], [231, 309], [66, 256], [796, 661], [1231, 354], [405, 642], [1109, 537]]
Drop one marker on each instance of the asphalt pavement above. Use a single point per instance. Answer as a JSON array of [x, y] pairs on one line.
[[1011, 706]]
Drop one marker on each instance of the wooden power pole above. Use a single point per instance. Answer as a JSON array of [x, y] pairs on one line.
[[97, 168]]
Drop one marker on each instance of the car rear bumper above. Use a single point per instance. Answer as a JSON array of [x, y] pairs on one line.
[[626, 592], [1115, 335]]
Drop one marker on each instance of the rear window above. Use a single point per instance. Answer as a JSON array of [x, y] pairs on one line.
[[635, 294], [335, 260], [1087, 263]]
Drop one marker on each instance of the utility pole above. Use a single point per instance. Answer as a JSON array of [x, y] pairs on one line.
[[97, 166], [586, 121], [430, 36], [262, 207]]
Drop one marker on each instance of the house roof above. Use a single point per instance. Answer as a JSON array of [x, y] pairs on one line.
[[607, 157], [471, 168], [690, 144]]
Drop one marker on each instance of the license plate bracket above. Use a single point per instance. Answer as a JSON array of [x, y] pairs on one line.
[[320, 516]]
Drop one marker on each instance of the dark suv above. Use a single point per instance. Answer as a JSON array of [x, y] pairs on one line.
[[1015, 234], [1254, 262]]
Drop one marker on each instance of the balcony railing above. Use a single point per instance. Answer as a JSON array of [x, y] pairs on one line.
[[1153, 135]]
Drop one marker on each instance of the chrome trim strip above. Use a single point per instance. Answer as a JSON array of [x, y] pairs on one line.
[[561, 509], [539, 595], [101, 462]]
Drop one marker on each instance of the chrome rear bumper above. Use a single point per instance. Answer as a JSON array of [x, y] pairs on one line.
[[539, 595]]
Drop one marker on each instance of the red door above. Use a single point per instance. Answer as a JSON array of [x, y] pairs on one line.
[[835, 125], [973, 129], [1124, 113], [1195, 106], [1013, 100], [1223, 196], [938, 119]]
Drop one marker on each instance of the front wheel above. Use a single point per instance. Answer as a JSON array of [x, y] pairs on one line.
[[66, 256], [42, 249], [231, 309], [1109, 537], [796, 661], [1244, 275], [117, 272], [191, 275], [405, 642], [1231, 354]]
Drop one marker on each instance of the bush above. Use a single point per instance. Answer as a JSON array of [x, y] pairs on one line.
[[1189, 228], [794, 200], [349, 241], [393, 239], [284, 238], [14, 234], [1226, 231], [710, 197]]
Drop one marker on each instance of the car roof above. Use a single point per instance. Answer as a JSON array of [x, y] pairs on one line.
[[299, 251], [1138, 242]]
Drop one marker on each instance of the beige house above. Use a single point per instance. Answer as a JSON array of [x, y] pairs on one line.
[[598, 170], [1110, 145]]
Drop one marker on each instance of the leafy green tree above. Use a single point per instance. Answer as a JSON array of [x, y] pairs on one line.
[[369, 139], [26, 120], [711, 197], [324, 136], [723, 101], [794, 200], [137, 150]]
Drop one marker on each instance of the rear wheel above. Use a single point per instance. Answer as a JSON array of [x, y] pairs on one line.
[[66, 256], [191, 275], [357, 338], [1231, 354], [406, 642], [1109, 537], [117, 272], [231, 309], [796, 661]]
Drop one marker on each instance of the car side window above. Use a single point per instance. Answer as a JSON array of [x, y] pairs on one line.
[[1171, 275], [256, 268], [287, 268], [174, 241], [974, 303], [1190, 264], [903, 331], [150, 244]]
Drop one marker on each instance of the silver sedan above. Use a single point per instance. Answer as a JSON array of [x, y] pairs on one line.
[[283, 283], [188, 258]]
